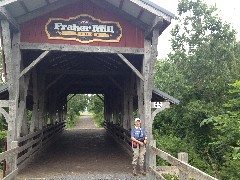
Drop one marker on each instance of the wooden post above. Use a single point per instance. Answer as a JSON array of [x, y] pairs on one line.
[[22, 128], [41, 115], [140, 99], [12, 56], [153, 157], [149, 61], [35, 121], [125, 104], [183, 157], [130, 102]]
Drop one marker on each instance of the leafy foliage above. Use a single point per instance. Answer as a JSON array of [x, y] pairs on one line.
[[76, 104], [204, 61], [96, 107]]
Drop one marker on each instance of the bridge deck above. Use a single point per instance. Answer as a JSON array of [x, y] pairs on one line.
[[81, 153]]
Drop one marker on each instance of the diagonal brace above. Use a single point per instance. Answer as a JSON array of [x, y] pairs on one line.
[[132, 67], [34, 63]]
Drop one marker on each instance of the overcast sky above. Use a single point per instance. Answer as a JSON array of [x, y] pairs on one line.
[[229, 11]]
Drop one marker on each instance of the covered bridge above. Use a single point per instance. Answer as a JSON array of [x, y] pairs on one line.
[[53, 48]]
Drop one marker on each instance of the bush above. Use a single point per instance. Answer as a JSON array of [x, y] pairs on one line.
[[174, 145], [3, 136]]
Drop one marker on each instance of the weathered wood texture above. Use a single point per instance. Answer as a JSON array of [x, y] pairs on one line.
[[7, 16], [80, 48], [33, 31], [34, 63], [132, 67], [183, 166]]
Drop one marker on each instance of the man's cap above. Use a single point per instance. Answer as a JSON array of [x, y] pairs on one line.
[[137, 119]]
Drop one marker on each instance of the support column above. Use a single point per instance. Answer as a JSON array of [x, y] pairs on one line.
[[130, 101], [125, 104], [12, 56], [35, 121], [7, 49], [150, 58], [41, 112]]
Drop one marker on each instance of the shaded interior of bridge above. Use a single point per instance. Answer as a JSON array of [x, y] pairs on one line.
[[81, 153], [79, 150]]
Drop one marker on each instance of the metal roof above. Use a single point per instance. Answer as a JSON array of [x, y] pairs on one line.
[[144, 11], [150, 3], [3, 88], [165, 96]]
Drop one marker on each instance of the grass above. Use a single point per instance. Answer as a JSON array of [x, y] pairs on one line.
[[71, 123]]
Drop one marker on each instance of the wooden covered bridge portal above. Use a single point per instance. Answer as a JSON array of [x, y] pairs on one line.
[[53, 48]]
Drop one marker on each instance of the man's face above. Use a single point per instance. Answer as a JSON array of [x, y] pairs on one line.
[[137, 123]]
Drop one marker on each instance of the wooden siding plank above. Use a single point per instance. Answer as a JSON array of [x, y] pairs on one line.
[[33, 31]]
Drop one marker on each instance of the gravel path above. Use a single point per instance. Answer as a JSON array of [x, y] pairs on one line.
[[81, 153]]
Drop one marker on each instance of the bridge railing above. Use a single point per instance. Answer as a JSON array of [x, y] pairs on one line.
[[179, 167], [121, 136], [28, 146], [10, 154]]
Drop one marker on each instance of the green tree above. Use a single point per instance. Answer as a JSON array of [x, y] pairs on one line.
[[204, 60], [226, 141], [96, 107], [75, 105]]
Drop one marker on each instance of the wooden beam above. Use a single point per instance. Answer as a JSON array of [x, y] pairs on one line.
[[7, 50], [54, 81], [140, 14], [6, 103], [81, 48], [81, 72], [34, 63], [4, 14], [116, 84], [71, 97], [100, 97], [24, 6], [43, 10], [121, 4], [166, 105], [157, 24], [131, 66]]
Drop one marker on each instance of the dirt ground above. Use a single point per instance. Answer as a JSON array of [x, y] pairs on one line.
[[85, 152]]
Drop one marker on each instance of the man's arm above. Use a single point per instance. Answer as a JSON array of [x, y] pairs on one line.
[[137, 141]]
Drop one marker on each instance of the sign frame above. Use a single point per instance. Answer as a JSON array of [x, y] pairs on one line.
[[74, 38]]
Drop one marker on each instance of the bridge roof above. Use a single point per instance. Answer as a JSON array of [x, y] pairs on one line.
[[141, 12], [160, 95]]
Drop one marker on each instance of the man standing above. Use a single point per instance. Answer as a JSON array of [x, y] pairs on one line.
[[139, 140]]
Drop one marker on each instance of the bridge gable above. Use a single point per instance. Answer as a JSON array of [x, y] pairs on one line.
[[34, 31]]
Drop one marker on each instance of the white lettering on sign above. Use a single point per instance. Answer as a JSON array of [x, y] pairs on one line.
[[76, 28]]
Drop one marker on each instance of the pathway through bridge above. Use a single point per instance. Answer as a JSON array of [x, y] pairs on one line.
[[81, 153]]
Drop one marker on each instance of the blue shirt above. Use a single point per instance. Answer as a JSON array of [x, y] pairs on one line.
[[138, 133]]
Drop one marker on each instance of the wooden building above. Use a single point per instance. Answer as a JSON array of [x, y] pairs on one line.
[[53, 48]]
